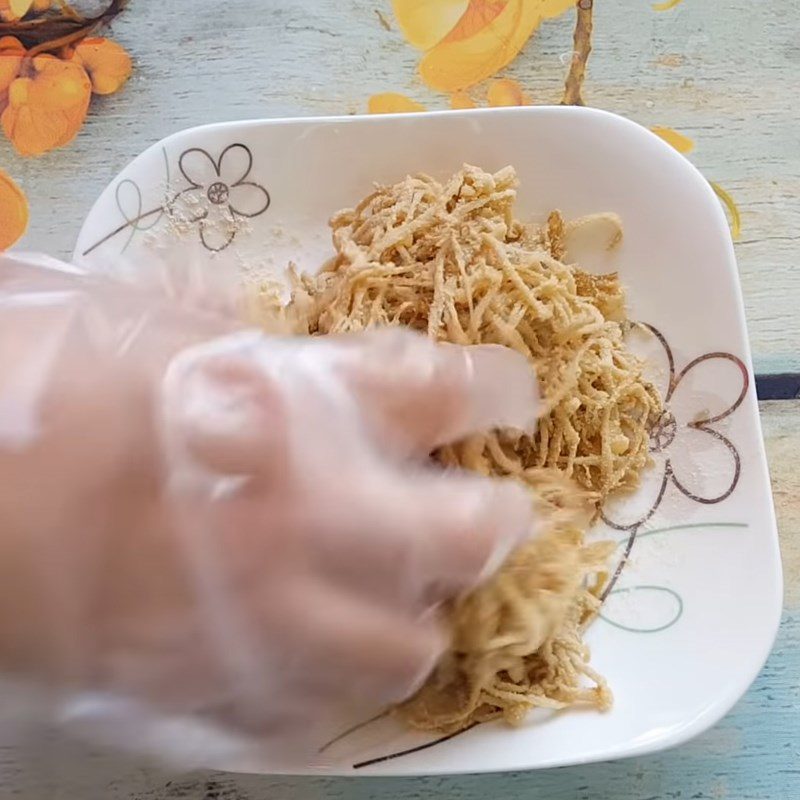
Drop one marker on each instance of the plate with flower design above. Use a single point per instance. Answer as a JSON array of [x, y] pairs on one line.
[[694, 600]]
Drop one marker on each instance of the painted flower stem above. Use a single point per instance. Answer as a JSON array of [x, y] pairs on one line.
[[582, 47]]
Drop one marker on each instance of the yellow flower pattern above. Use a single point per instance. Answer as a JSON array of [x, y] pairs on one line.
[[507, 92], [684, 145], [393, 103], [464, 46], [468, 41], [461, 100], [666, 5]]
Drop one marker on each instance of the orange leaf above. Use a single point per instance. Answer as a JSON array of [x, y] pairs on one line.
[[666, 5], [13, 212], [47, 109], [455, 65], [732, 209], [425, 23], [683, 144], [10, 44], [393, 103], [107, 64], [461, 100], [507, 92], [11, 55]]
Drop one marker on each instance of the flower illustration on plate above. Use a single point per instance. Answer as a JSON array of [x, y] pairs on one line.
[[220, 198], [689, 449], [691, 454]]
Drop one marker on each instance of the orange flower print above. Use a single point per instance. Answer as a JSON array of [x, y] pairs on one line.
[[467, 41], [392, 103], [47, 106], [461, 100], [107, 64], [13, 212], [11, 54], [507, 92], [734, 217], [684, 145]]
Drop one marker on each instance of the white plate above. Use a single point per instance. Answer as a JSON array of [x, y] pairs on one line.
[[694, 613]]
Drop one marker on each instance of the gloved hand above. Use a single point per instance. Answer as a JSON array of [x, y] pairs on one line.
[[212, 541]]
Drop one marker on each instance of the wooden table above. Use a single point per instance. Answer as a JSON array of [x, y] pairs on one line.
[[722, 74]]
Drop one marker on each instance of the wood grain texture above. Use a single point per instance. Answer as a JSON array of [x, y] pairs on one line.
[[781, 422], [753, 754], [722, 73]]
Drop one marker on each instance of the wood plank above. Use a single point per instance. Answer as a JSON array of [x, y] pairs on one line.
[[723, 74], [781, 423], [753, 754]]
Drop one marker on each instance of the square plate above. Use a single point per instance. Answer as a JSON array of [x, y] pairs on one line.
[[695, 607]]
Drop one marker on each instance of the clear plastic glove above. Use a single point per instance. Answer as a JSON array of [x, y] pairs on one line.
[[213, 543]]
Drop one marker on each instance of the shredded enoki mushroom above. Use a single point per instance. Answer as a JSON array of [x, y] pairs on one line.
[[517, 641], [451, 261]]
